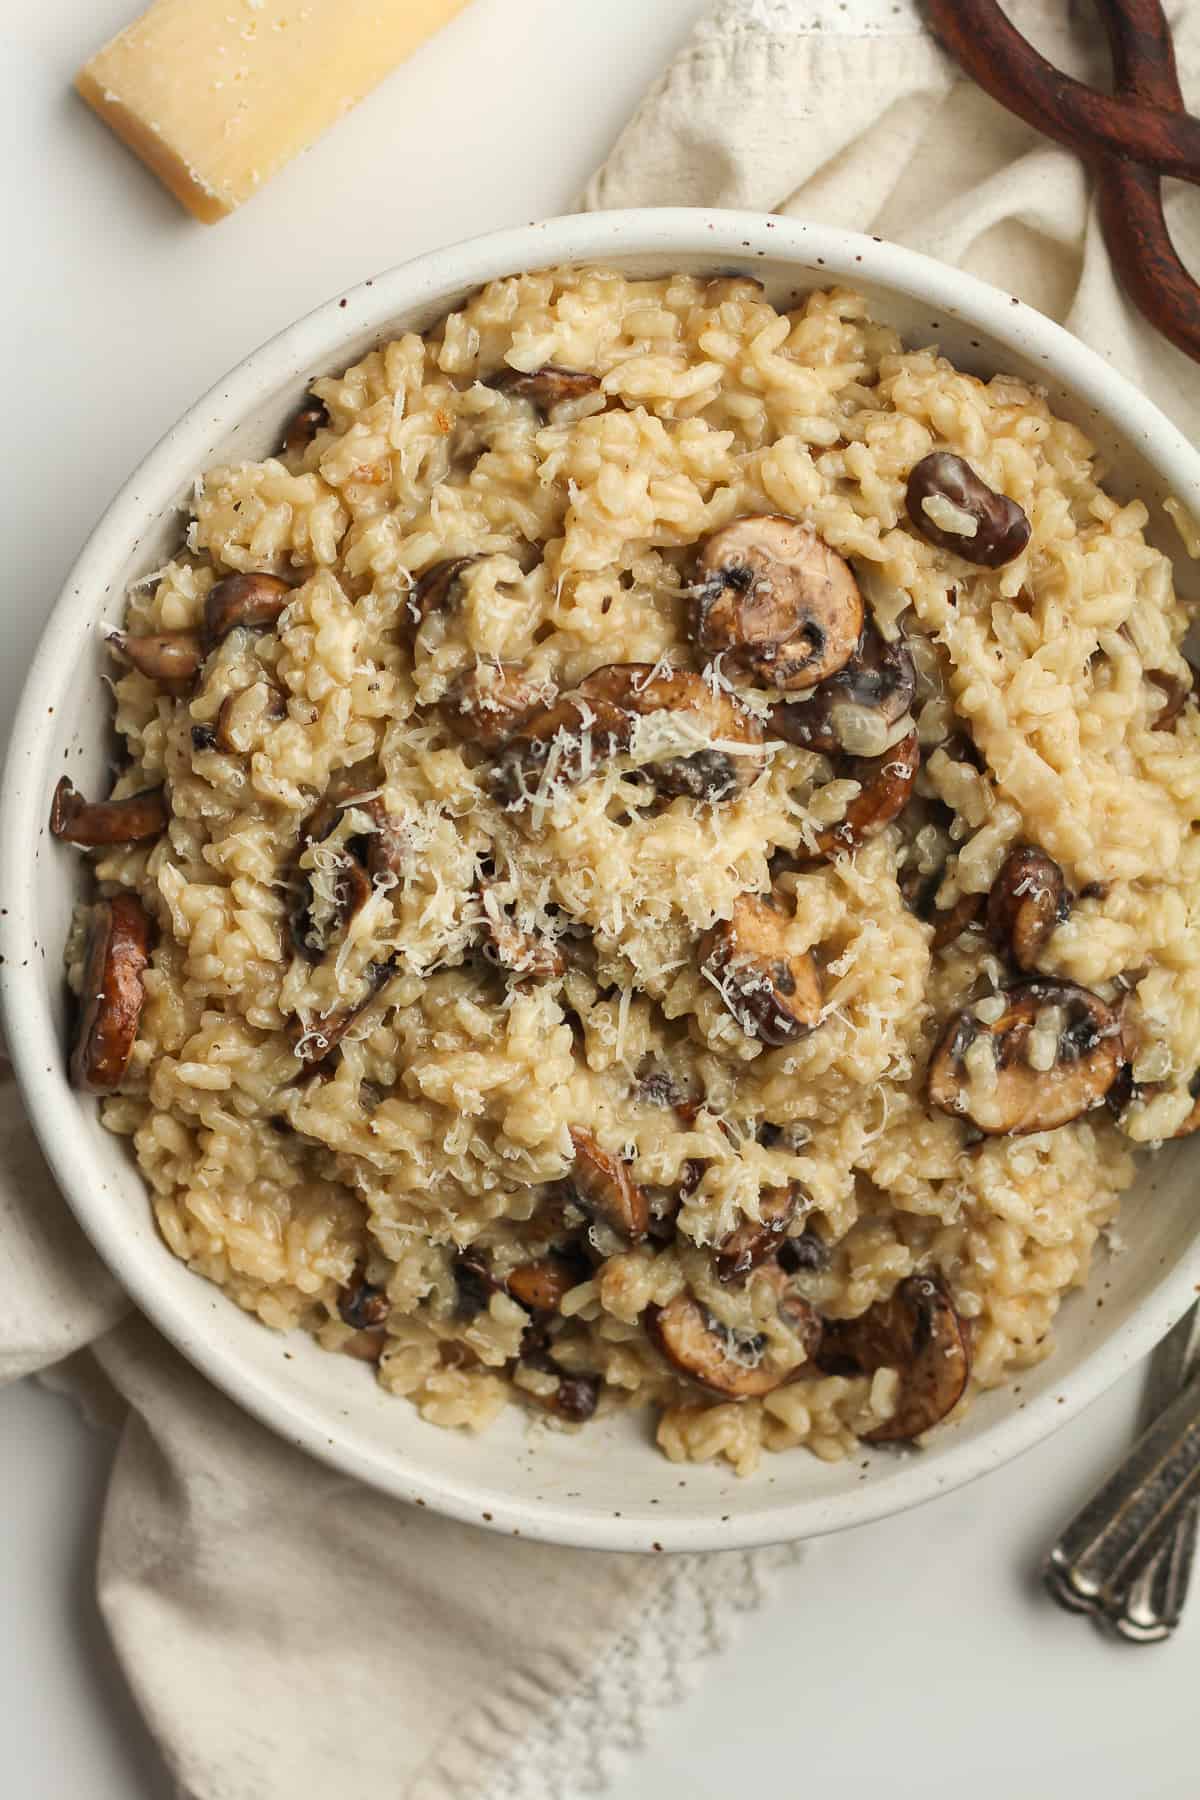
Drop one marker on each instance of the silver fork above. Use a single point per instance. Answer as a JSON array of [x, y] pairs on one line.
[[1126, 1557]]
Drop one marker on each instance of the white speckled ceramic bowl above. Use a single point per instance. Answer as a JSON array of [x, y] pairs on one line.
[[606, 1487]]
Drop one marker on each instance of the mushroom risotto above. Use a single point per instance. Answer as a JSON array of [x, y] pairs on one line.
[[656, 863]]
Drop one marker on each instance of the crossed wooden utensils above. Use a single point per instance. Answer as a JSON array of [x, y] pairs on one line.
[[1130, 139]]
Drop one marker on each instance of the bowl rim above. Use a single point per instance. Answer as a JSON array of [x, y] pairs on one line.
[[315, 341]]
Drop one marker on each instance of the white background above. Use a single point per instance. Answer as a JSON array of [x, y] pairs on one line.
[[911, 1659]]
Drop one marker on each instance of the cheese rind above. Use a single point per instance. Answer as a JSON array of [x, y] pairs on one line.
[[216, 95]]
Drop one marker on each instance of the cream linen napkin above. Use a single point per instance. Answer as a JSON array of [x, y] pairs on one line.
[[286, 1632]]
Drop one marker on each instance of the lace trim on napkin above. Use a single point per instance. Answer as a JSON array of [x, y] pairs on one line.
[[531, 1746]]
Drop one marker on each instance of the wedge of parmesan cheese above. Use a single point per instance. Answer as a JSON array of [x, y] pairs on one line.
[[216, 95]]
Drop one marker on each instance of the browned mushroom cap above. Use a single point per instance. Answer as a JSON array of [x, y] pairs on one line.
[[953, 507], [776, 601], [917, 1331], [163, 656], [118, 951], [710, 773], [546, 387], [434, 590], [91, 824], [486, 705], [604, 1189], [313, 1043], [773, 994], [312, 417], [1028, 899], [542, 1286], [524, 954], [362, 1305], [984, 1072], [253, 602], [726, 1362], [886, 786], [854, 710], [259, 702], [753, 1241]]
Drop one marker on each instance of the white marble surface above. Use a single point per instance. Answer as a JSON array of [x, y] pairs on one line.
[[916, 1657]]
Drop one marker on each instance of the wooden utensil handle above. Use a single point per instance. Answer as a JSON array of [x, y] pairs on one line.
[[1154, 131], [1130, 138]]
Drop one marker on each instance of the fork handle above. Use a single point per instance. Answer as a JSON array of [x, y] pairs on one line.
[[1152, 1605], [1112, 1539]]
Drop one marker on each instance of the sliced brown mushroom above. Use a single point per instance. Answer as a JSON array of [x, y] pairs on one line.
[[657, 1086], [313, 1043], [949, 925], [754, 1240], [690, 1176], [713, 772], [916, 1331], [92, 824], [474, 1282], [954, 508], [433, 590], [312, 417], [576, 1397], [542, 1286], [572, 738], [118, 952], [726, 1362], [251, 602], [240, 713], [313, 929], [806, 1254], [387, 847], [163, 655], [1053, 1054], [546, 387], [604, 1190], [886, 785], [487, 705], [524, 954], [776, 602], [577, 1394], [352, 889], [312, 926], [855, 710], [361, 1304], [1028, 899], [1177, 693], [773, 994]]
